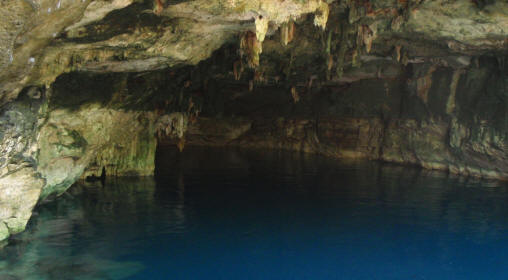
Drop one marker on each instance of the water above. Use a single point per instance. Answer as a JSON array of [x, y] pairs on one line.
[[214, 213]]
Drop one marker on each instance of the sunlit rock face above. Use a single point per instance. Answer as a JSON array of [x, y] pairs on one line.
[[88, 87], [49, 141], [20, 184]]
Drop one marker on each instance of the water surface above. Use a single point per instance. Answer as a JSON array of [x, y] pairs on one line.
[[216, 213]]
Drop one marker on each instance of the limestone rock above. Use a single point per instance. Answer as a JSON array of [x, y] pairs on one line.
[[19, 192], [81, 144], [4, 232]]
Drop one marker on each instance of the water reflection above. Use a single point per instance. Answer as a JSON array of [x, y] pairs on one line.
[[216, 213], [71, 238]]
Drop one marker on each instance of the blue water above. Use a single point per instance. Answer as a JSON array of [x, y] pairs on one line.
[[216, 213]]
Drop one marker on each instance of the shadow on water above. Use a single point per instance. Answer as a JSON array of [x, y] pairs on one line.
[[227, 213]]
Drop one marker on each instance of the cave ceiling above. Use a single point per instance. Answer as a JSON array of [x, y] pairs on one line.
[[41, 39]]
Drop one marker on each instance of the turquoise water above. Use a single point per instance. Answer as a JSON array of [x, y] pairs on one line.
[[213, 213]]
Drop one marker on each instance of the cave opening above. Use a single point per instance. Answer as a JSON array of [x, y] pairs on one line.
[[253, 139]]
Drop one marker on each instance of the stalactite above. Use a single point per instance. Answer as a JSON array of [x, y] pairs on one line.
[[251, 85], [321, 15], [287, 32], [367, 37], [450, 104], [291, 31], [355, 62], [360, 33], [173, 125], [423, 84], [329, 42], [261, 28], [193, 111], [238, 69], [284, 36], [311, 81], [251, 48], [330, 62], [181, 144], [397, 52], [341, 60], [294, 94], [329, 56]]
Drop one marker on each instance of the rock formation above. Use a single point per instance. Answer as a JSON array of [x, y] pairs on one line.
[[92, 86]]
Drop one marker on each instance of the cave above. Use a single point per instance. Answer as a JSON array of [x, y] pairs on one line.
[[253, 139]]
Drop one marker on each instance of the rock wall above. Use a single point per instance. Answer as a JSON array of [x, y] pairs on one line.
[[433, 115], [47, 144], [20, 183], [92, 140]]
